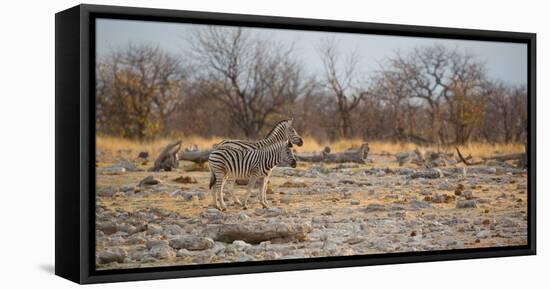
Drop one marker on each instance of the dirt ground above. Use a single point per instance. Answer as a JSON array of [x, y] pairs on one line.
[[315, 210]]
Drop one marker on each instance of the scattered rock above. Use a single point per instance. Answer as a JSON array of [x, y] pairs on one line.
[[162, 251], [107, 227], [256, 232], [183, 253], [274, 212], [143, 155], [354, 202], [243, 216], [112, 170], [459, 189], [153, 229], [173, 229], [127, 165], [507, 222], [428, 174], [397, 214], [185, 180], [426, 193], [155, 242], [106, 192], [346, 182], [405, 171], [110, 255], [462, 204], [240, 245], [443, 198], [415, 204], [468, 195], [212, 214], [482, 234], [354, 240], [380, 174], [294, 184], [136, 240], [150, 181], [191, 243], [445, 186], [374, 208]]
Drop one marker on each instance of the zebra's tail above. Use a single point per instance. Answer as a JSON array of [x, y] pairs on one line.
[[212, 180]]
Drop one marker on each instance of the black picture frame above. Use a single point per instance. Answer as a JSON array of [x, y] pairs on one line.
[[75, 143]]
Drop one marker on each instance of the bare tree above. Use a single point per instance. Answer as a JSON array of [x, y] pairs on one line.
[[342, 80], [505, 117], [400, 116], [253, 78], [439, 76], [137, 88]]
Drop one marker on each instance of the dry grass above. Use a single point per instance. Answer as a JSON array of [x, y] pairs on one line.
[[486, 149], [123, 146]]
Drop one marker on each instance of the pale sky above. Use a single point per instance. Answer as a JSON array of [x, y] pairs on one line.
[[506, 62]]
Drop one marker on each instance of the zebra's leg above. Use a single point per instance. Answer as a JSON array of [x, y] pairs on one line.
[[263, 193], [249, 188], [214, 203], [233, 194], [214, 190], [222, 202]]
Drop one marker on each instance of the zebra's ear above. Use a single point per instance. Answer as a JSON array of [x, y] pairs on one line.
[[290, 121], [289, 143]]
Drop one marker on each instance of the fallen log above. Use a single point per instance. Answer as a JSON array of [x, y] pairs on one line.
[[314, 157], [350, 156], [520, 157], [167, 159], [466, 160], [507, 157], [198, 157]]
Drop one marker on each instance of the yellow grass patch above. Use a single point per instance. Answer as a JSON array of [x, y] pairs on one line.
[[115, 144], [476, 149]]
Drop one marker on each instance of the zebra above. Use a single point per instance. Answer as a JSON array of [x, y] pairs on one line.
[[282, 132], [230, 162]]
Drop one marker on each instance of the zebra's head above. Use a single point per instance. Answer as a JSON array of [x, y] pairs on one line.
[[289, 156], [292, 135], [283, 132]]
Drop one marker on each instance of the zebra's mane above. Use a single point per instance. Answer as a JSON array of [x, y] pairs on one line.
[[276, 127]]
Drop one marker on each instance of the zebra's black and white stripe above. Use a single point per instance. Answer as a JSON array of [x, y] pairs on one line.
[[252, 164]]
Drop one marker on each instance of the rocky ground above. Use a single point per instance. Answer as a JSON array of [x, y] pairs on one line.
[[146, 219]]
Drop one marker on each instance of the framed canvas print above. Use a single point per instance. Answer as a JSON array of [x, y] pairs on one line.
[[193, 144]]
